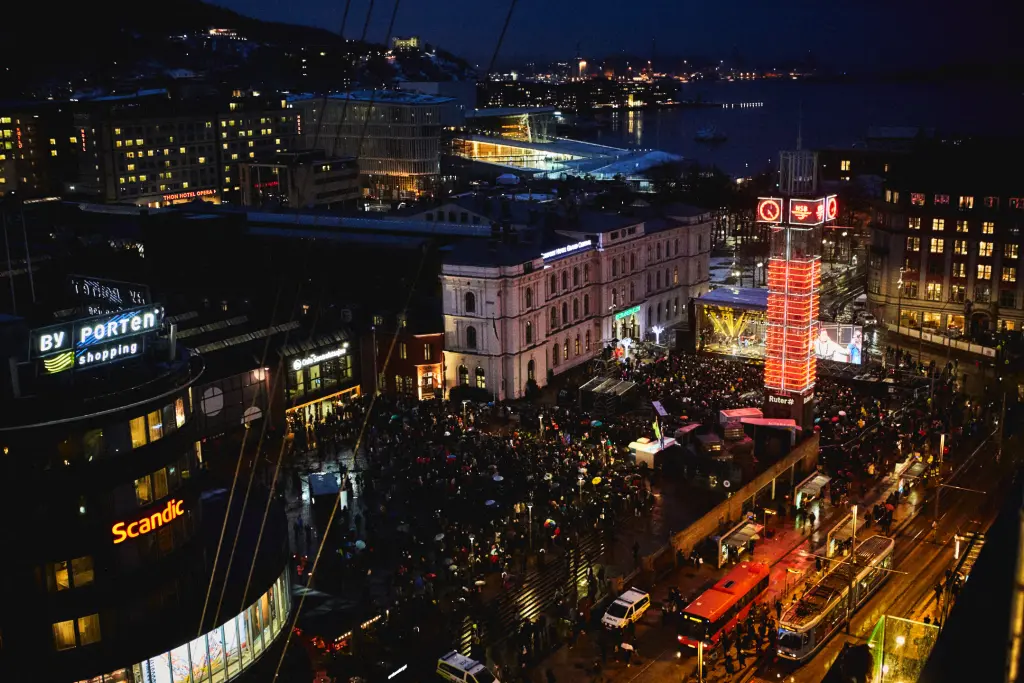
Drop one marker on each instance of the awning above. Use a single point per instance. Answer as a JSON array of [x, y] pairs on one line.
[[813, 485], [739, 537]]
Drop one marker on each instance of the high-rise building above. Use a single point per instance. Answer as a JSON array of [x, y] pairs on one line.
[[300, 179], [946, 241], [395, 135], [36, 150]]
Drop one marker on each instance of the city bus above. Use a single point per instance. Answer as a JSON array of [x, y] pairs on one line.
[[723, 605], [822, 611]]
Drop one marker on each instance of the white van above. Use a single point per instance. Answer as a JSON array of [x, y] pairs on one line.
[[628, 607], [461, 669]]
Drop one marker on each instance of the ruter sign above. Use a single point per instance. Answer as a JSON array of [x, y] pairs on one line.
[[94, 341]]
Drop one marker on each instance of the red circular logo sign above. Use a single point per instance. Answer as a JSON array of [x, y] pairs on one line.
[[831, 208], [769, 210]]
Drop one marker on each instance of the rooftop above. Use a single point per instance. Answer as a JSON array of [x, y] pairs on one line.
[[508, 111], [736, 297], [378, 96]]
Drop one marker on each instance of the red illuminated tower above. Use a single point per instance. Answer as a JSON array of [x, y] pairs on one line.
[[794, 281]]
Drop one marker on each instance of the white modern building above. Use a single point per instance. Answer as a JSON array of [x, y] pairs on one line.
[[519, 311]]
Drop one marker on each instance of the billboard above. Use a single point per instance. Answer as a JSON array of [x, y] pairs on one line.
[[806, 211], [839, 342], [94, 341]]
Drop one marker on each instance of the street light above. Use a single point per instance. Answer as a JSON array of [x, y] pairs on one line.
[[626, 343], [899, 315], [657, 330], [529, 508]]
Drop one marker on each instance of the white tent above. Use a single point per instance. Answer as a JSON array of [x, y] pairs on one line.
[[507, 179]]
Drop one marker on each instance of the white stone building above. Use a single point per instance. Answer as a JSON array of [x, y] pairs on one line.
[[515, 312]]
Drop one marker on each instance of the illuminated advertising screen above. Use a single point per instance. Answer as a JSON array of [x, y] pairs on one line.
[[769, 210], [806, 211], [100, 296], [838, 342]]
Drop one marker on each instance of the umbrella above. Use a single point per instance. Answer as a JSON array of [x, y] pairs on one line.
[[361, 545], [596, 423], [547, 476], [447, 561], [479, 582], [498, 477], [595, 481], [842, 413], [439, 537], [489, 503]]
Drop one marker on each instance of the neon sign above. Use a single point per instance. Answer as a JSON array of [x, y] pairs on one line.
[[807, 211], [628, 312], [263, 186], [769, 210], [831, 207], [94, 341], [188, 195], [123, 531], [561, 251], [317, 357]]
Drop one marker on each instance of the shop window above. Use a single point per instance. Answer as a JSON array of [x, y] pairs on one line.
[[481, 379]]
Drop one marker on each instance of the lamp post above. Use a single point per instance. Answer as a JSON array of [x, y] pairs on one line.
[[760, 267], [626, 343], [471, 553], [529, 509], [853, 567], [899, 315], [657, 330]]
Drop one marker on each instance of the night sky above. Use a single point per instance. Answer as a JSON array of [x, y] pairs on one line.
[[840, 33]]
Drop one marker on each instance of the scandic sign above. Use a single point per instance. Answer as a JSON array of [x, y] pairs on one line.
[[123, 530]]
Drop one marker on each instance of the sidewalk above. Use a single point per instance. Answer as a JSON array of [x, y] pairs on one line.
[[791, 553]]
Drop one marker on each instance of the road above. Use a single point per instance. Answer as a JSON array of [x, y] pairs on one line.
[[920, 560]]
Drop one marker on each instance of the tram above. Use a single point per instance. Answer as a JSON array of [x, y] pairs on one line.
[[723, 605], [809, 623]]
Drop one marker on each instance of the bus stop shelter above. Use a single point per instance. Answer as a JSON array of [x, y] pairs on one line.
[[839, 534], [738, 538], [811, 488]]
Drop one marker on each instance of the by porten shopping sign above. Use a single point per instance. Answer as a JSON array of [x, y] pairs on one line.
[[98, 340]]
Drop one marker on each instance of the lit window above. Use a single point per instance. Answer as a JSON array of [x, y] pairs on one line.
[[179, 412], [988, 228], [985, 248], [913, 244], [184, 185], [937, 246], [959, 269], [64, 635], [966, 202], [914, 223], [1010, 251], [942, 199], [89, 629], [143, 491], [53, 152], [1009, 274], [938, 224], [934, 291], [131, 167], [961, 226], [252, 155], [844, 165], [984, 271], [117, 143], [202, 160], [960, 247], [917, 198], [181, 150], [403, 350], [156, 426], [117, 131]]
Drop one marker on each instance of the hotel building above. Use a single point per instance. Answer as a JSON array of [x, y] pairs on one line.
[[523, 310], [946, 243], [111, 535], [152, 152], [299, 180]]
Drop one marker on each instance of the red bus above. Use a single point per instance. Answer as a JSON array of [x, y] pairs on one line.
[[720, 607]]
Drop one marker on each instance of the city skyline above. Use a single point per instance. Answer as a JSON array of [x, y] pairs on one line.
[[869, 36]]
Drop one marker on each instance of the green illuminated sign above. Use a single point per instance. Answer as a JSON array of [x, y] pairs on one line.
[[626, 313]]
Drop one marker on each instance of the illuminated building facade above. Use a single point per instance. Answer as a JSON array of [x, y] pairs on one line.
[[794, 282], [396, 135], [300, 179], [35, 151], [113, 544], [556, 296], [159, 153]]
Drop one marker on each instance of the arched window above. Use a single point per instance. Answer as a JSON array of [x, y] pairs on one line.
[[615, 268], [529, 332], [659, 312], [677, 247], [481, 379], [565, 349], [675, 275], [615, 297], [470, 302], [648, 282], [565, 280], [575, 309], [658, 250], [657, 279], [554, 354], [675, 306], [575, 277], [565, 312], [463, 376], [554, 284], [650, 318], [632, 261], [577, 348], [529, 370], [554, 317], [470, 337], [667, 251], [622, 264], [632, 291], [586, 273], [529, 297], [588, 341], [586, 304], [667, 280]]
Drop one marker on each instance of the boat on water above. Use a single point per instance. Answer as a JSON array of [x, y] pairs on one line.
[[710, 134]]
